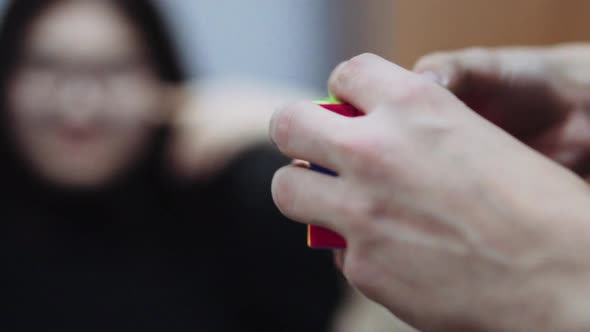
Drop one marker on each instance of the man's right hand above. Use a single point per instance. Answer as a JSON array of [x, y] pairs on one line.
[[539, 95]]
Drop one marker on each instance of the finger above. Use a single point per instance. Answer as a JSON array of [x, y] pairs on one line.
[[368, 81], [307, 131], [312, 198], [453, 68], [443, 68]]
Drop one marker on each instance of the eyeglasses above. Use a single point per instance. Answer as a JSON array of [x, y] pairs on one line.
[[120, 88], [54, 73]]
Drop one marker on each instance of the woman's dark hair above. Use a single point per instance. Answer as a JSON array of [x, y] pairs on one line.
[[143, 14]]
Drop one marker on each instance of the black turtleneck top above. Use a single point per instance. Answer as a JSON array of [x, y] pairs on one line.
[[149, 254]]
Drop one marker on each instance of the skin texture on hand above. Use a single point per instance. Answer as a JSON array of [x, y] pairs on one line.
[[451, 223], [539, 95]]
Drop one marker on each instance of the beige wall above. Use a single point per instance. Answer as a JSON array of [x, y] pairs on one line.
[[423, 26]]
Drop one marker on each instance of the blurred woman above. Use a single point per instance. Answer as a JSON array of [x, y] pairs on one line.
[[98, 229]]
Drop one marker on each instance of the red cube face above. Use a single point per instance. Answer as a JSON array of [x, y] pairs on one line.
[[342, 109], [320, 237]]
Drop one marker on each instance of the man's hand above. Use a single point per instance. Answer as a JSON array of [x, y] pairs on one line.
[[451, 223], [539, 95]]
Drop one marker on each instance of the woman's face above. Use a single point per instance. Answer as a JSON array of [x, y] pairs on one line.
[[83, 100]]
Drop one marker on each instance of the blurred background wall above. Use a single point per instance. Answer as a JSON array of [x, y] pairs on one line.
[[423, 26], [288, 41], [295, 41], [300, 41]]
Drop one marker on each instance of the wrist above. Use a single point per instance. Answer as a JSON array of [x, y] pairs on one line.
[[560, 281], [547, 285], [542, 303], [554, 294]]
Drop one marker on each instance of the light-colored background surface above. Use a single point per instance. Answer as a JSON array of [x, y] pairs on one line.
[[294, 41], [299, 41], [423, 26], [289, 41]]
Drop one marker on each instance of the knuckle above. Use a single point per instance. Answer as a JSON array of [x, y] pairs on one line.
[[412, 90], [283, 125], [343, 76], [350, 71]]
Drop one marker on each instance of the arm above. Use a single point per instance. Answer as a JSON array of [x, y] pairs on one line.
[[216, 121]]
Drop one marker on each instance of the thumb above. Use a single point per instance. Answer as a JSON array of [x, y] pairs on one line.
[[442, 68]]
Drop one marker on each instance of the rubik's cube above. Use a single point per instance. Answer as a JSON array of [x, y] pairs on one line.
[[317, 236]]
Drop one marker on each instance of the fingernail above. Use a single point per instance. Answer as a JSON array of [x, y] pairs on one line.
[[335, 72], [435, 77]]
